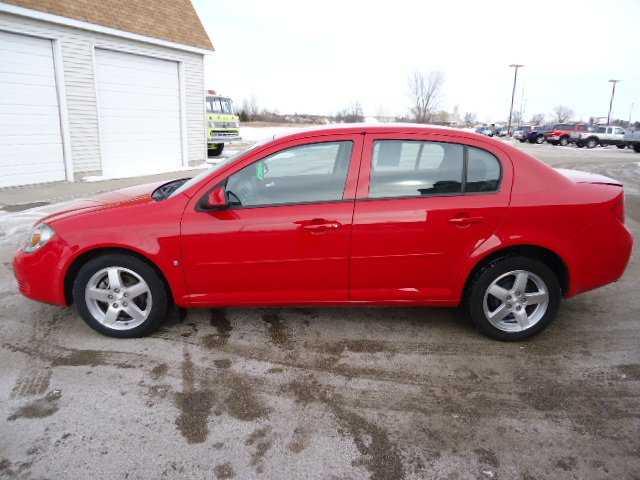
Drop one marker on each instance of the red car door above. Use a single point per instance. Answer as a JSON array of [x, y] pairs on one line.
[[285, 237], [424, 204]]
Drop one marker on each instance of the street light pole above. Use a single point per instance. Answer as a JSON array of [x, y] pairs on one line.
[[613, 92], [515, 66]]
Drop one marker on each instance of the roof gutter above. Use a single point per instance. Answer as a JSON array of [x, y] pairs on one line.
[[92, 27]]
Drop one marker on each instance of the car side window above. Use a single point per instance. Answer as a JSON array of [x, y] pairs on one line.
[[413, 168], [307, 173], [483, 171], [410, 168]]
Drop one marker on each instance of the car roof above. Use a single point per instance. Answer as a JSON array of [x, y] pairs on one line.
[[406, 128]]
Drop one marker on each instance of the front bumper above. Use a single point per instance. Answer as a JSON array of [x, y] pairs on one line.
[[40, 275], [223, 136]]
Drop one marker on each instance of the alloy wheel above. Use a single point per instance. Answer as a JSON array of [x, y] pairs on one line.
[[516, 301], [118, 298]]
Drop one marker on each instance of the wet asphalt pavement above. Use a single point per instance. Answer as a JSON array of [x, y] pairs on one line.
[[393, 393]]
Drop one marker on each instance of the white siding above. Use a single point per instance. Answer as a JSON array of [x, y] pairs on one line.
[[77, 55]]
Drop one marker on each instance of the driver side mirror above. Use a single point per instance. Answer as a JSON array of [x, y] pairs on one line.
[[216, 199]]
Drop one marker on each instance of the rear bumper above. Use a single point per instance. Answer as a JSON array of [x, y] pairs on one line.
[[605, 262], [40, 274]]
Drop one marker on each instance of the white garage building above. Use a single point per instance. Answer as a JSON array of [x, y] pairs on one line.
[[99, 87]]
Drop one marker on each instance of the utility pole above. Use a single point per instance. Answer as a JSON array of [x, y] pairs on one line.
[[515, 67], [613, 92], [630, 112]]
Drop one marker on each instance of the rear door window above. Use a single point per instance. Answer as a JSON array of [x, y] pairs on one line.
[[408, 168]]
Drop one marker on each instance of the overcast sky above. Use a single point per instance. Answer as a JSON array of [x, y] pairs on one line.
[[319, 56]]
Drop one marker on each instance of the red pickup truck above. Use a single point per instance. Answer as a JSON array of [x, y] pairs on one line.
[[561, 133]]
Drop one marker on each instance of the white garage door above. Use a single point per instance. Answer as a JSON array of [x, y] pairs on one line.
[[30, 140], [139, 114]]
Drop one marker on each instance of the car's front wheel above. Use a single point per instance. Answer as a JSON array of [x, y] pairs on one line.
[[539, 139], [513, 298], [120, 296], [564, 141], [621, 146]]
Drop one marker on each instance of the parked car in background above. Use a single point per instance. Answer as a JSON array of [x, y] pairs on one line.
[[632, 139], [223, 125], [561, 133], [488, 131], [522, 132], [346, 216], [531, 133], [600, 135], [501, 132]]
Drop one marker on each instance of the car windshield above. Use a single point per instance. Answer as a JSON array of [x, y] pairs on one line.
[[219, 105]]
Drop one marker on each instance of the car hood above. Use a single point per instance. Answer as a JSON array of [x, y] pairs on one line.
[[116, 198], [578, 176]]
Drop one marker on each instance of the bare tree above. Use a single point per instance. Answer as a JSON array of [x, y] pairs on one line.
[[351, 114], [537, 119], [469, 119], [249, 110], [425, 91], [562, 114]]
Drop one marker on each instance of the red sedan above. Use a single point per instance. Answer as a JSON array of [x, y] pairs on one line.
[[382, 215]]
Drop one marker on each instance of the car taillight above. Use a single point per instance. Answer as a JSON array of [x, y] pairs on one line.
[[618, 208]]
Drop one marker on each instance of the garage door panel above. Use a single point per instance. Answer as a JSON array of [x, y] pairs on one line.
[[146, 100], [139, 110], [16, 94], [138, 124], [30, 138]]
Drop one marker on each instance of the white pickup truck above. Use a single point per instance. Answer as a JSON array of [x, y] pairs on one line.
[[632, 138], [600, 135]]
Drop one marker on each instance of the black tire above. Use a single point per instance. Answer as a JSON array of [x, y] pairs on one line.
[[474, 298], [216, 150], [591, 143], [636, 147], [539, 139], [621, 146], [159, 294], [522, 140], [564, 141], [579, 144]]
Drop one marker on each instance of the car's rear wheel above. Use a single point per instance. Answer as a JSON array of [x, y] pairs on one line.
[[564, 141], [539, 139], [215, 150], [522, 140], [621, 146], [120, 296], [592, 143], [636, 147], [513, 298]]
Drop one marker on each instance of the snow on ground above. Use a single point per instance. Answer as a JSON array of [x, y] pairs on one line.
[[15, 226], [257, 134]]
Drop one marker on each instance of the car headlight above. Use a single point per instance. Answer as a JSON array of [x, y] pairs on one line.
[[38, 238]]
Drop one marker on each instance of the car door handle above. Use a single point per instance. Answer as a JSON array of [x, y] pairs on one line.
[[319, 225], [465, 221]]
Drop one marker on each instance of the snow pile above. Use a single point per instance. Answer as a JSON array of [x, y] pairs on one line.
[[14, 227], [258, 134]]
